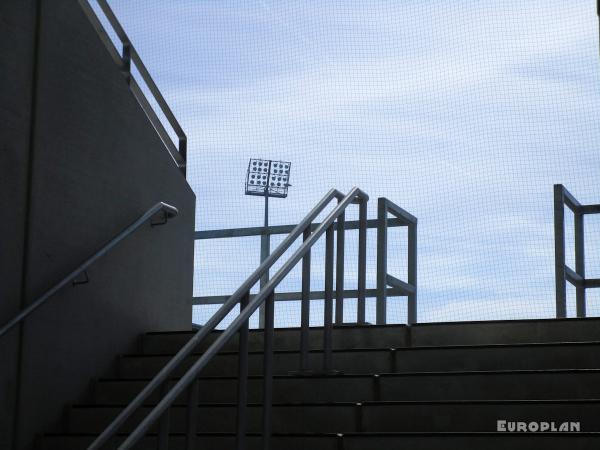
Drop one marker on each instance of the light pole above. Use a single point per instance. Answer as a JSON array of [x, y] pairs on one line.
[[267, 178]]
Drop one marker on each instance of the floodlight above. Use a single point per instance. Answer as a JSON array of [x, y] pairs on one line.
[[266, 178]]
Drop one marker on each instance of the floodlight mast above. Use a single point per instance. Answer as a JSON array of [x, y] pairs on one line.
[[265, 239], [267, 178]]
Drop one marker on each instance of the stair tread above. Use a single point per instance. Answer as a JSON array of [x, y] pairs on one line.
[[395, 374], [369, 433], [255, 330], [376, 402], [422, 324], [387, 349]]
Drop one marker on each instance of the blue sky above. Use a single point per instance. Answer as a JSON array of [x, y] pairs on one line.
[[465, 113]]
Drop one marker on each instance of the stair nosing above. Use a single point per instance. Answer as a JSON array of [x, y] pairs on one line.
[[416, 325], [255, 330], [387, 349], [384, 374], [363, 434], [371, 403]]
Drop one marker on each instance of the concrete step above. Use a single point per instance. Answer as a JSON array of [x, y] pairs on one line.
[[481, 416], [345, 337], [385, 360], [506, 332], [425, 334], [468, 385], [360, 441]]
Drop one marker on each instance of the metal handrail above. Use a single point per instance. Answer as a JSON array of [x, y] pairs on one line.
[[170, 211], [128, 55], [240, 324], [563, 273], [341, 293]]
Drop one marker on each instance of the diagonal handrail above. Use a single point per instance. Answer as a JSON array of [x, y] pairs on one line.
[[170, 211], [192, 374], [164, 374]]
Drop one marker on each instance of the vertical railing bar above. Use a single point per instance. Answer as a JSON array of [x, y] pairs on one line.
[[381, 261], [268, 369], [339, 271], [580, 263], [412, 273], [305, 307], [242, 397], [362, 262], [183, 151], [126, 58], [164, 423], [559, 251], [328, 303], [192, 416]]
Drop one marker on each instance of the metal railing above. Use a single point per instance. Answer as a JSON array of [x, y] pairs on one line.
[[168, 211], [125, 59], [188, 383], [563, 272], [387, 285], [384, 279]]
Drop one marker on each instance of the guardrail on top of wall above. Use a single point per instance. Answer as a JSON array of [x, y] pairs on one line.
[[125, 59]]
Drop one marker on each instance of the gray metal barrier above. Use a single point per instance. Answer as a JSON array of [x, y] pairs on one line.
[[387, 285], [125, 59], [563, 272]]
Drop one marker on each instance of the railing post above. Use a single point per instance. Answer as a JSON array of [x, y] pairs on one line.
[[192, 416], [183, 153], [580, 263], [559, 251], [339, 271], [381, 308], [268, 369], [183, 147], [412, 273], [328, 303], [242, 398], [362, 262], [126, 58], [305, 307]]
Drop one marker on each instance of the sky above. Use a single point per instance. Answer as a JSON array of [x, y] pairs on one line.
[[464, 113]]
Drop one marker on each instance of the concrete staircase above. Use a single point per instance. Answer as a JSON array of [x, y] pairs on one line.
[[428, 386]]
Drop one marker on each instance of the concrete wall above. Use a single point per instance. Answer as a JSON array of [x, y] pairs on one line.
[[17, 37], [79, 162]]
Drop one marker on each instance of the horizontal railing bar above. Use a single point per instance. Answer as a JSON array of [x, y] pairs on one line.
[[404, 287], [236, 324], [294, 296], [171, 211], [573, 277], [282, 229], [211, 324], [570, 200], [592, 283], [400, 213], [590, 209]]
